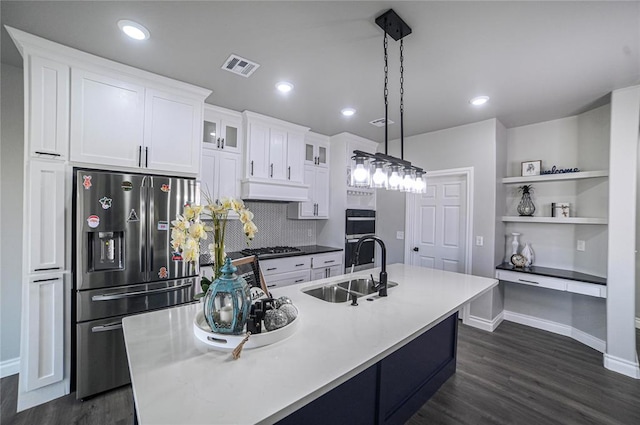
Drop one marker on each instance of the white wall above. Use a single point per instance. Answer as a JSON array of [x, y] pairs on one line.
[[11, 169], [621, 336], [471, 145]]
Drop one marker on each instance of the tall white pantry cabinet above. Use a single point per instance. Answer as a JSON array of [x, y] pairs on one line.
[[69, 100]]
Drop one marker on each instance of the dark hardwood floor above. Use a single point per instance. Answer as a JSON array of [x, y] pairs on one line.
[[515, 375]]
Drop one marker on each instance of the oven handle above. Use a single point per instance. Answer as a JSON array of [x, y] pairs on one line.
[[354, 238], [361, 219], [121, 295]]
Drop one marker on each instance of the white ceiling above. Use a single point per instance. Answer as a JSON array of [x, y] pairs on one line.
[[536, 60]]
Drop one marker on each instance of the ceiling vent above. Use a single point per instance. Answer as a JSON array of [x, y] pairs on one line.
[[379, 122], [240, 66]]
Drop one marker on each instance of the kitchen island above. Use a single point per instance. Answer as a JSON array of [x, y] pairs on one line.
[[178, 379]]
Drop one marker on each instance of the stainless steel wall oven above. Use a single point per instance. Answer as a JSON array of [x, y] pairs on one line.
[[357, 224]]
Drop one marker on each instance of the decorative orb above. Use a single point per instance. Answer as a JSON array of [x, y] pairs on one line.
[[282, 301], [275, 319], [290, 310]]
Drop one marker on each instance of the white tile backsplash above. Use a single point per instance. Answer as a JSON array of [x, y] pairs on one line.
[[274, 229]]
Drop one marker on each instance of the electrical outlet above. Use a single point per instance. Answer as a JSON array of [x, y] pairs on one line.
[[310, 233], [580, 245], [400, 235], [479, 240]]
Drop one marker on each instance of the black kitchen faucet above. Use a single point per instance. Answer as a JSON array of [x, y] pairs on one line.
[[381, 287]]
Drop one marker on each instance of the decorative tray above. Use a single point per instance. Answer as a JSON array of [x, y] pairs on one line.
[[203, 332]]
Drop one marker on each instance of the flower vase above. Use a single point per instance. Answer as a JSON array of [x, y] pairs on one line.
[[527, 252], [515, 244], [227, 302], [526, 207]]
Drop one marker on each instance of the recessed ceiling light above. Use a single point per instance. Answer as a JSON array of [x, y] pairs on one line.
[[284, 86], [479, 100], [347, 112], [133, 29]]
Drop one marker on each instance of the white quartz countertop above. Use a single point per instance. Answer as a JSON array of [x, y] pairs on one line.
[[177, 379]]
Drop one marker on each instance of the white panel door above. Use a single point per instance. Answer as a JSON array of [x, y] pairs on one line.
[[440, 232], [229, 175], [172, 132], [295, 157], [45, 330], [46, 232], [321, 192], [209, 173], [49, 108], [277, 154], [307, 209], [258, 151], [107, 120]]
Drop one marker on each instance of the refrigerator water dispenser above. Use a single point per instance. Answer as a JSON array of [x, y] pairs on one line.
[[105, 251]]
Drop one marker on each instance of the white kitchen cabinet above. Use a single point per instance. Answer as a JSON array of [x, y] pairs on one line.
[[326, 265], [46, 211], [222, 129], [317, 207], [172, 132], [286, 271], [107, 120], [43, 330], [558, 284], [274, 159], [316, 150], [220, 173], [117, 121], [295, 146], [48, 106]]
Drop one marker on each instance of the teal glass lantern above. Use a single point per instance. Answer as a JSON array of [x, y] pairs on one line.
[[227, 302]]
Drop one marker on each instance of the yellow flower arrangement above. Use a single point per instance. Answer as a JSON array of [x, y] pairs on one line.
[[188, 229]]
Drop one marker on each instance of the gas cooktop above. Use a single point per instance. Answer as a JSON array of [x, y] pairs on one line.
[[272, 251]]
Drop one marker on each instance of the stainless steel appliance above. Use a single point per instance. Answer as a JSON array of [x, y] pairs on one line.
[[123, 265], [271, 251], [357, 224]]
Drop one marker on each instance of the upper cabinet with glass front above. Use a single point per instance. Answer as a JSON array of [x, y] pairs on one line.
[[316, 150], [222, 129]]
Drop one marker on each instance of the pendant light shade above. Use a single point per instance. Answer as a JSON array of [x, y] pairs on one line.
[[383, 170]]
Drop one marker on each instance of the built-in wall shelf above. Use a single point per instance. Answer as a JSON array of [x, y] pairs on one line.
[[556, 177], [555, 220]]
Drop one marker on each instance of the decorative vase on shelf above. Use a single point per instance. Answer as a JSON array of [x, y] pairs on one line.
[[515, 244], [527, 252], [227, 302], [526, 207]]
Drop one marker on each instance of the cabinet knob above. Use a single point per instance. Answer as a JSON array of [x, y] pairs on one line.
[[222, 143], [416, 249], [146, 157], [289, 172], [271, 172], [140, 156], [252, 168], [218, 142]]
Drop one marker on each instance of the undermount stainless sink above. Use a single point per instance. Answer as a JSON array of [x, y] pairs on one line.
[[341, 292]]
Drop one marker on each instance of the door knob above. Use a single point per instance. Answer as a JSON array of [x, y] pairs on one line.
[[416, 249]]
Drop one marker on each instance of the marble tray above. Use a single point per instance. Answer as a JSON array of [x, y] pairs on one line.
[[203, 332]]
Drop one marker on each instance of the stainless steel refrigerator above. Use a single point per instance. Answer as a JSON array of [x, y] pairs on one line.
[[123, 265]]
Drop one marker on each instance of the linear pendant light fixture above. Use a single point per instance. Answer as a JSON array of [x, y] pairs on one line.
[[383, 170]]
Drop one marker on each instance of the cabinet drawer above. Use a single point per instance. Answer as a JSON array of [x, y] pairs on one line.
[[587, 289], [290, 278], [326, 260], [284, 265], [532, 279]]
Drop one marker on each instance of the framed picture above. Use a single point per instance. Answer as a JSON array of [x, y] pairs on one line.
[[560, 209], [531, 168]]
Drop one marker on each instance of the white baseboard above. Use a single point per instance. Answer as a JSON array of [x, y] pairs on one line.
[[557, 328], [484, 324], [622, 366], [9, 367], [637, 322]]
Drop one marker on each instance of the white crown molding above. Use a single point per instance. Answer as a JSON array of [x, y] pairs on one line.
[[30, 44]]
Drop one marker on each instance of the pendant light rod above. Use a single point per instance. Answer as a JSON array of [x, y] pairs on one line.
[[386, 95]]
